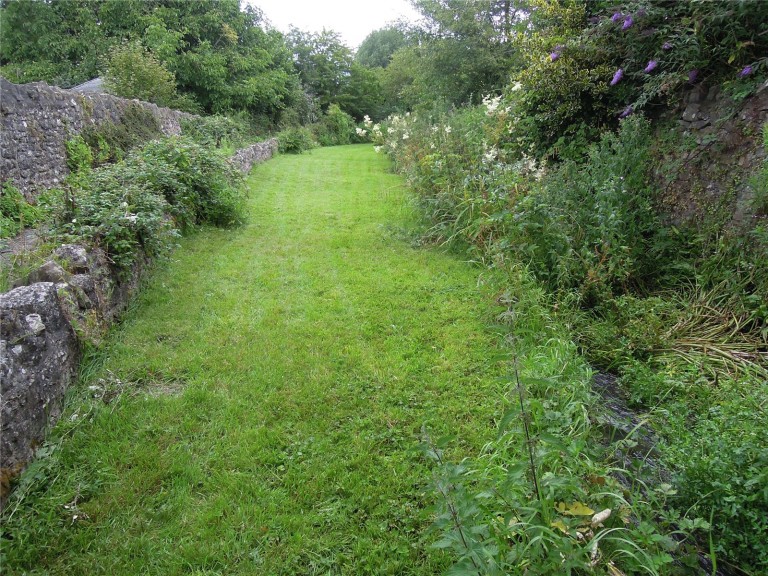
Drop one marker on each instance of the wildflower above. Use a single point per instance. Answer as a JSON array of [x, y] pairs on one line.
[[406, 136], [432, 146], [554, 56], [627, 112], [132, 218], [616, 16], [490, 155], [617, 77], [628, 22], [693, 76], [377, 149], [435, 128], [746, 72], [667, 46], [447, 129], [516, 86], [652, 64], [390, 130], [491, 104], [367, 120], [361, 132]]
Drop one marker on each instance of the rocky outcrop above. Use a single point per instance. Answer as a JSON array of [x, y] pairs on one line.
[[38, 120], [39, 355]]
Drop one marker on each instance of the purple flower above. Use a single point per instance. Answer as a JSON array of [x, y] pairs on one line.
[[652, 64], [627, 23], [616, 16], [693, 76], [746, 72], [554, 56], [627, 111], [617, 77], [667, 46]]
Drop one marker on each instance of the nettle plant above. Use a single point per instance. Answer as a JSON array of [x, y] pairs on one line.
[[136, 207]]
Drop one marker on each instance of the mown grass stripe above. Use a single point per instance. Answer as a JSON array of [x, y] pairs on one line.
[[269, 392]]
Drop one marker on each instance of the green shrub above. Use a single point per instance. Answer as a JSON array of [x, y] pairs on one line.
[[111, 141], [125, 206], [79, 155], [127, 219], [199, 184], [15, 213], [336, 127], [213, 131], [295, 140]]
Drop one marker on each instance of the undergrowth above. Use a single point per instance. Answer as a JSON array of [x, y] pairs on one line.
[[678, 313]]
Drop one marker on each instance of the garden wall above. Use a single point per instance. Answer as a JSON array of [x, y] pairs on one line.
[[37, 121], [74, 296]]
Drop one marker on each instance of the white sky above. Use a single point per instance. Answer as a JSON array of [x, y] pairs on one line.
[[353, 19]]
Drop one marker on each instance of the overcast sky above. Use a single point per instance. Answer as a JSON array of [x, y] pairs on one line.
[[353, 19]]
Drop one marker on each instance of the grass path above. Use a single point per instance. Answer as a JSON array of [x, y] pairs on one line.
[[262, 403]]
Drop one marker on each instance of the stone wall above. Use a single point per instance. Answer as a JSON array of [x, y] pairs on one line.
[[41, 331], [247, 158], [37, 121], [713, 173]]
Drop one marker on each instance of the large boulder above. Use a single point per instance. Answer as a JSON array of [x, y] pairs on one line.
[[39, 354]]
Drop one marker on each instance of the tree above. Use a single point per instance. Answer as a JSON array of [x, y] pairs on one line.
[[378, 47], [133, 72], [223, 57], [465, 47]]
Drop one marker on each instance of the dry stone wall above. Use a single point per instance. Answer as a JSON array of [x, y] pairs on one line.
[[41, 321], [37, 121]]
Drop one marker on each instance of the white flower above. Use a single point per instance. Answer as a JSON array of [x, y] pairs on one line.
[[490, 155], [447, 129], [435, 128], [74, 221], [491, 104], [406, 136], [377, 149], [432, 146], [390, 130], [361, 132], [132, 218], [516, 86], [367, 120]]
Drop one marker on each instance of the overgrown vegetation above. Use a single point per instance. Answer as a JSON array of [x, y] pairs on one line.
[[15, 212], [125, 206]]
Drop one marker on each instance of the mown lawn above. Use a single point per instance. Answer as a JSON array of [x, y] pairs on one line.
[[259, 410]]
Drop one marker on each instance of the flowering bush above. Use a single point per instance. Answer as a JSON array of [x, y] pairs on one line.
[[587, 66]]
